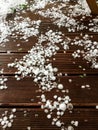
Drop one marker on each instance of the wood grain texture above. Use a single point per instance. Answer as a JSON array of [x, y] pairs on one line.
[[19, 46], [64, 62], [36, 118], [25, 92]]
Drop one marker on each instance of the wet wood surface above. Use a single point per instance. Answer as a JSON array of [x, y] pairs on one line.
[[25, 94], [36, 118]]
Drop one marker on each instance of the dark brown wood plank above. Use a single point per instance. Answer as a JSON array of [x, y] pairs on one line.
[[46, 25], [36, 119], [23, 46], [26, 93], [47, 20], [64, 62]]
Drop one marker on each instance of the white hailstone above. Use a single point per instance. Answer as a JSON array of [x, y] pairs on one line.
[[5, 79], [48, 116], [14, 110], [55, 96], [70, 80], [66, 101], [28, 128], [83, 86], [70, 128], [4, 127], [42, 96], [1, 82], [47, 103], [97, 107], [11, 116], [58, 123], [59, 98], [6, 122], [54, 119], [2, 122], [96, 66], [76, 123], [9, 124], [60, 86], [62, 106], [55, 69], [1, 87], [58, 113], [43, 88], [62, 113], [5, 118], [46, 111], [53, 78], [43, 100], [63, 128], [18, 79], [87, 85], [56, 104], [67, 98], [35, 80], [66, 47], [66, 74], [72, 122], [95, 51]]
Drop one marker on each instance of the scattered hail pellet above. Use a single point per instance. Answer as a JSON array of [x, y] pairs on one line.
[[97, 107], [70, 128], [3, 81], [89, 51], [36, 63], [85, 86], [60, 86], [7, 119], [75, 123], [28, 128], [25, 113], [70, 80]]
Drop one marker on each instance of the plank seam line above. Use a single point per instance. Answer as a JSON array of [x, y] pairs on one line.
[[39, 107], [63, 75]]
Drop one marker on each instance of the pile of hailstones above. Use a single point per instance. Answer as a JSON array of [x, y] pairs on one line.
[[37, 64]]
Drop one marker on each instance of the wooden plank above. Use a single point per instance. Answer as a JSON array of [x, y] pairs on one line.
[[44, 27], [20, 92], [36, 119], [64, 62], [26, 93], [36, 16], [23, 46], [49, 25], [83, 20]]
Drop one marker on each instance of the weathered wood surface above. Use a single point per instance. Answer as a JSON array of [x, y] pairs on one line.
[[25, 94], [23, 46], [64, 62], [36, 118]]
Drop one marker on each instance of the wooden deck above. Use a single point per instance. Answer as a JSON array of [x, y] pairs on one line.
[[24, 94]]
